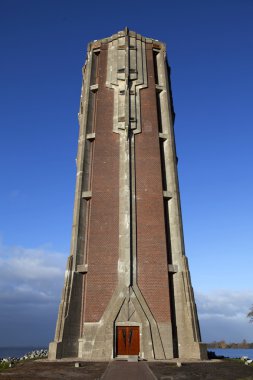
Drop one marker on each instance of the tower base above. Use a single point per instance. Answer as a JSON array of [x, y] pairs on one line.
[[197, 351]]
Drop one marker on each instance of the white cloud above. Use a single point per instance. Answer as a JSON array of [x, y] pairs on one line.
[[30, 274], [31, 281], [222, 315], [225, 303]]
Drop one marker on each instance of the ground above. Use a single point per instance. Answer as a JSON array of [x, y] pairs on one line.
[[211, 370], [218, 370]]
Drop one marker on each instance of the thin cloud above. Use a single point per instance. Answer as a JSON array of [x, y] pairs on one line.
[[222, 315], [30, 274], [224, 303], [31, 282], [14, 194]]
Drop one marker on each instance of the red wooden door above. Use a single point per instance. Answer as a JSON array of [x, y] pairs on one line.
[[128, 340], [133, 340], [121, 340]]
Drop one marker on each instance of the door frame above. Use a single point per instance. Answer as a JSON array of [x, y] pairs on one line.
[[124, 324]]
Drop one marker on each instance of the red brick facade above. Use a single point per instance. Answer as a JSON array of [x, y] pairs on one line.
[[103, 240], [103, 235], [151, 241]]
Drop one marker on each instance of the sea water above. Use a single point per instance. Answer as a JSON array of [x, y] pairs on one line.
[[17, 352], [233, 352]]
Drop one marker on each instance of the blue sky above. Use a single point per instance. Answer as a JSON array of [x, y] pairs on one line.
[[43, 47]]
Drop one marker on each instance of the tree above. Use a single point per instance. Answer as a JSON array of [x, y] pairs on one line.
[[244, 344], [250, 314]]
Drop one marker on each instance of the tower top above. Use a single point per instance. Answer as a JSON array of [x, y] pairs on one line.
[[123, 33]]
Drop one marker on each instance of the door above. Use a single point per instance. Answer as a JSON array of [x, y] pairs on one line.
[[128, 340]]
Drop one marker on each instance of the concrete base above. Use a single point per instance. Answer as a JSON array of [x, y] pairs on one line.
[[55, 350], [194, 351]]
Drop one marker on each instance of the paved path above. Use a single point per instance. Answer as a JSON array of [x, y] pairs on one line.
[[124, 370]]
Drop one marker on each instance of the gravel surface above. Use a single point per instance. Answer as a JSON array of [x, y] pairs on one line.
[[223, 370], [55, 370], [213, 370]]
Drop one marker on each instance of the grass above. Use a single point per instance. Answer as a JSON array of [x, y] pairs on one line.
[[4, 365], [240, 361]]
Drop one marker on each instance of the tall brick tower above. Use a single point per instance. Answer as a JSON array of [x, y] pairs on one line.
[[127, 286]]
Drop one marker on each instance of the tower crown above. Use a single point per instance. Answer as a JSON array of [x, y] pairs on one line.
[[123, 33]]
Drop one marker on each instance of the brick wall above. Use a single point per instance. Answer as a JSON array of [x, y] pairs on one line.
[[104, 212], [151, 240]]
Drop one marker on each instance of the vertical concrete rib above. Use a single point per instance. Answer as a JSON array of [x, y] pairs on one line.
[[187, 326], [56, 347]]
